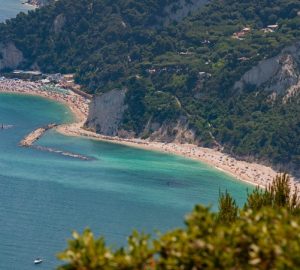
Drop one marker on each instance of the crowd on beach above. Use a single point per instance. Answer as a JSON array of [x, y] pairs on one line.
[[250, 172], [77, 103], [253, 173]]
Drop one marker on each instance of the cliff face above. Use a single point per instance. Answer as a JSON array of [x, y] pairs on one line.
[[59, 23], [106, 115], [10, 56], [279, 75], [106, 112], [181, 9], [178, 132]]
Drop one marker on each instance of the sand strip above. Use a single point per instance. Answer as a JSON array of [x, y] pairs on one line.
[[252, 173]]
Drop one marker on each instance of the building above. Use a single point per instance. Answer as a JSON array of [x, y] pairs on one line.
[[239, 35], [272, 26]]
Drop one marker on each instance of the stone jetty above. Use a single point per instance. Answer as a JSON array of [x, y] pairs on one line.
[[32, 137], [35, 135]]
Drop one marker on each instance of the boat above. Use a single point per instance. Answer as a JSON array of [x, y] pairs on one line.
[[37, 261], [5, 126]]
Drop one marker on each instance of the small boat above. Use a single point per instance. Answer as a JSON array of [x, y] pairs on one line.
[[37, 261], [5, 126]]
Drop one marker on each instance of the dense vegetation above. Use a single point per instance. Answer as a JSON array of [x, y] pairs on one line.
[[185, 68], [265, 234]]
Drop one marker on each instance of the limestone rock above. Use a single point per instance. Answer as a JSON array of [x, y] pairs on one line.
[[106, 112], [59, 23], [279, 75], [178, 11], [10, 56]]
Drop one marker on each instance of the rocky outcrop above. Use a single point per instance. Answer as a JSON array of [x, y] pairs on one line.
[[181, 9], [59, 23], [279, 75], [106, 112], [10, 56], [172, 132]]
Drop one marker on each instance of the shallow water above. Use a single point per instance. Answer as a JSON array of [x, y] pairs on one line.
[[10, 8], [44, 196]]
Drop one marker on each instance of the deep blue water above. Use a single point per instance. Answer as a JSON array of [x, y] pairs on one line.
[[44, 196]]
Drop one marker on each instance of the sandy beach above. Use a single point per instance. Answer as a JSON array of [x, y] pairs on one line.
[[78, 104], [252, 173]]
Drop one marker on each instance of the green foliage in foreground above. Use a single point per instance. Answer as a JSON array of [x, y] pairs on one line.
[[265, 234]]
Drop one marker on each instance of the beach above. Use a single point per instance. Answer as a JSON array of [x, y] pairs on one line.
[[78, 104], [252, 173]]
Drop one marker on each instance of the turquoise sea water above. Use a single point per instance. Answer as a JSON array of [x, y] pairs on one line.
[[10, 8], [44, 196]]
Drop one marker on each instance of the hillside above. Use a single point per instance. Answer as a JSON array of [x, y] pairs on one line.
[[222, 75]]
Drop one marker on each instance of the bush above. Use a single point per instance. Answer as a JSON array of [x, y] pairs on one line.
[[262, 235]]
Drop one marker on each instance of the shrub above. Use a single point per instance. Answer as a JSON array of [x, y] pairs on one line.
[[265, 234]]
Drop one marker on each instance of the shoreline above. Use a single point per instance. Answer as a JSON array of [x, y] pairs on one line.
[[207, 156], [251, 173], [77, 104]]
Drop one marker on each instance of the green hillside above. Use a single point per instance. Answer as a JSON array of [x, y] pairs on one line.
[[176, 69]]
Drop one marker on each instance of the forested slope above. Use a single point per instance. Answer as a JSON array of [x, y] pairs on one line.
[[191, 74]]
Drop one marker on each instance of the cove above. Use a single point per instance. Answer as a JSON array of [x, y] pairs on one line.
[[44, 196]]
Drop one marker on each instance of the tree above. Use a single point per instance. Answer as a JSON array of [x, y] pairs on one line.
[[264, 235]]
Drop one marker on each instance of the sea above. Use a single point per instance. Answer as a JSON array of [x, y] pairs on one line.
[[44, 196], [10, 8]]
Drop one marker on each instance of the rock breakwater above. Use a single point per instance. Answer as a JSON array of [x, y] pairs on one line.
[[32, 137]]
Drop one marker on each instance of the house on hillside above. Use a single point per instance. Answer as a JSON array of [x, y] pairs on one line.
[[151, 70], [273, 26], [242, 59], [241, 34], [185, 53], [270, 28]]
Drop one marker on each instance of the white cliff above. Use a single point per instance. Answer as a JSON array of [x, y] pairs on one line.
[[10, 56], [106, 112], [279, 75]]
